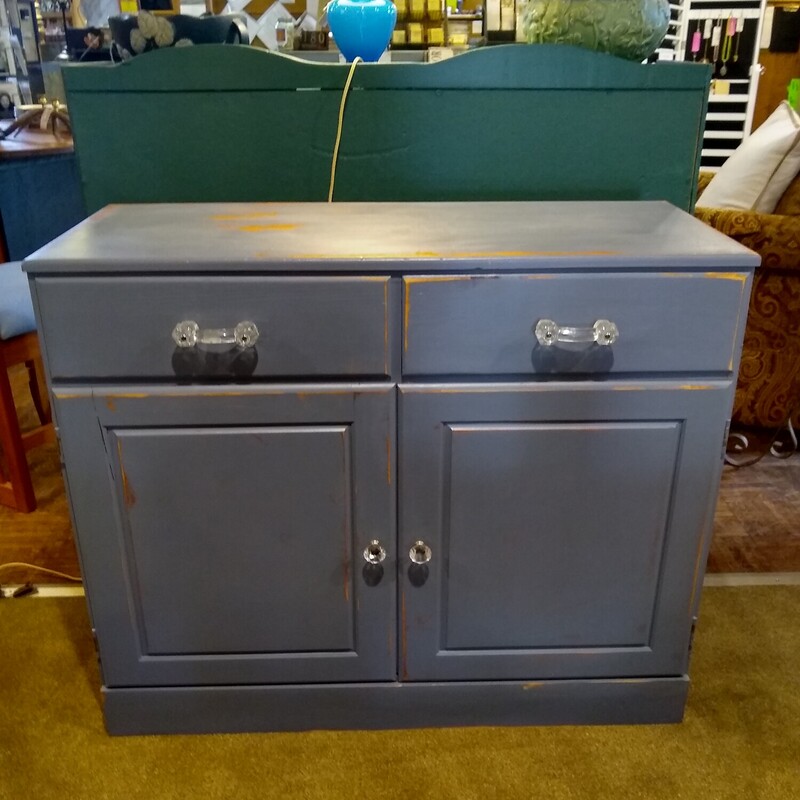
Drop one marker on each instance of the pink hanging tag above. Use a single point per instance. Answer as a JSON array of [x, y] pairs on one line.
[[731, 26], [696, 38]]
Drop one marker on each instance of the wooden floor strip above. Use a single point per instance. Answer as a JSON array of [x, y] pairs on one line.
[[42, 590], [753, 579]]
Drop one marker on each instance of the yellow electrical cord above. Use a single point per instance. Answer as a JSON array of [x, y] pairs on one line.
[[346, 89], [22, 564]]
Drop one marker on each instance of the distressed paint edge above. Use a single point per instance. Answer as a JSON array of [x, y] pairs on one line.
[[736, 346], [708, 275], [403, 637], [258, 390], [254, 228], [386, 327], [128, 496], [546, 386], [242, 217], [472, 255], [727, 276], [349, 530], [408, 280]]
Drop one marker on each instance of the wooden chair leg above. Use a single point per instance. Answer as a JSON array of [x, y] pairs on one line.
[[16, 492], [38, 387]]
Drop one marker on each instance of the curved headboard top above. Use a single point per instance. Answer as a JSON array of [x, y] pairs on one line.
[[533, 122]]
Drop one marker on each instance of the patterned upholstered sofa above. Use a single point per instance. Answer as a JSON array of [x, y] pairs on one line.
[[768, 392]]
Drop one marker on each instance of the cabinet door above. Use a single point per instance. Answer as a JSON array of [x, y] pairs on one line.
[[221, 531], [565, 524]]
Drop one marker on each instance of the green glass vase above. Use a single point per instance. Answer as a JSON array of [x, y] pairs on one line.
[[630, 29]]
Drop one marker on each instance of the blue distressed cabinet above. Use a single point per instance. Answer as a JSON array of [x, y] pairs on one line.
[[391, 465]]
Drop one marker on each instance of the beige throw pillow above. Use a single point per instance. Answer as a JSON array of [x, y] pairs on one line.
[[762, 167]]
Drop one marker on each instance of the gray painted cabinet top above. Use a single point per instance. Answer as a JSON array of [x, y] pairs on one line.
[[388, 237]]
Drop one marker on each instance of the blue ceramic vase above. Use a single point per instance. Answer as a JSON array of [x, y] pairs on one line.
[[362, 27]]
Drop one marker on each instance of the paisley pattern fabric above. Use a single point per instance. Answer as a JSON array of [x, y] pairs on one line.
[[790, 202], [776, 238], [768, 390]]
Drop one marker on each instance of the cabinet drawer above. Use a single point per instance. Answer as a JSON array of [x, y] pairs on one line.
[[122, 327], [473, 325]]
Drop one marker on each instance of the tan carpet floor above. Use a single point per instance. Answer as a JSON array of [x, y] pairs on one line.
[[740, 738]]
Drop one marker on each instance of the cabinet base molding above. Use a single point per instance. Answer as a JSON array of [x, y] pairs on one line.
[[239, 709]]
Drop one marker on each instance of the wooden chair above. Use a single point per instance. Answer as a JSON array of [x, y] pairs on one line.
[[19, 345]]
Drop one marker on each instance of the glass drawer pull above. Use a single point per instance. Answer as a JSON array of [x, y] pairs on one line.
[[188, 334], [603, 332]]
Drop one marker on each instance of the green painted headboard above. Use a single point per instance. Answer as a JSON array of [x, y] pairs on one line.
[[232, 123]]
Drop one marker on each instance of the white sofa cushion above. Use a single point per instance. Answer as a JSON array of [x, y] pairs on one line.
[[758, 173]]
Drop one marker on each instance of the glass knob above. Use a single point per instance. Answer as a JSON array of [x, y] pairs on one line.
[[185, 333], [605, 332], [246, 334], [546, 332], [420, 553], [374, 552]]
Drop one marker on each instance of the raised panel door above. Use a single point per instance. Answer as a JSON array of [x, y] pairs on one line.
[[565, 523], [222, 531]]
